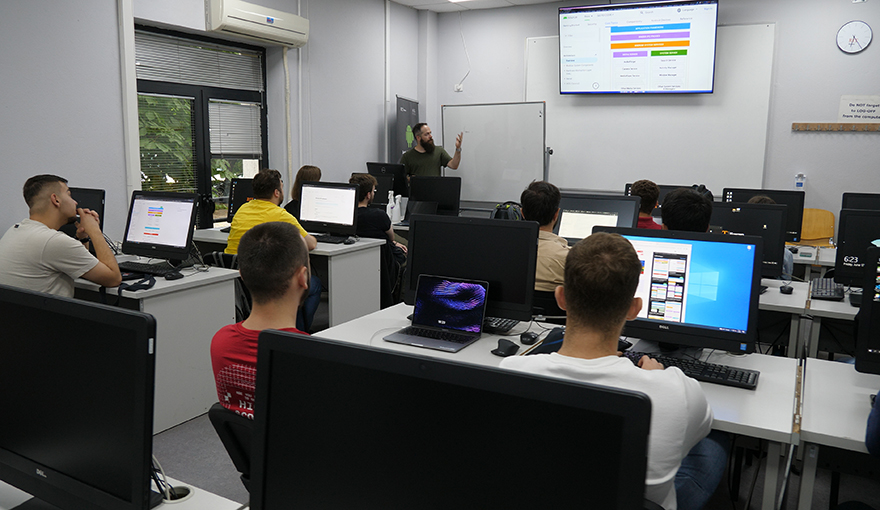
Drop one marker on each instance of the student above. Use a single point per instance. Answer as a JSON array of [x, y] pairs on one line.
[[540, 202], [307, 173], [37, 256], [372, 222], [424, 158], [601, 277], [788, 257], [274, 263], [687, 209], [649, 193]]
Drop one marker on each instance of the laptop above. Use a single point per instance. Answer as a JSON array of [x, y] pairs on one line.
[[448, 314]]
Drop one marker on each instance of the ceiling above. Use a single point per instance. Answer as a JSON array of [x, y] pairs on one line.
[[466, 5]]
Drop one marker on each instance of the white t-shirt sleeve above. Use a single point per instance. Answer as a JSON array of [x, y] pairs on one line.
[[68, 256], [699, 422]]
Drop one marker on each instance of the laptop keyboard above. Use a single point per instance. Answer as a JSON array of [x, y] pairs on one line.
[[437, 335], [826, 288]]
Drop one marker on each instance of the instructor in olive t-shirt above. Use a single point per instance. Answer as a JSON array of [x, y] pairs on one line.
[[426, 158]]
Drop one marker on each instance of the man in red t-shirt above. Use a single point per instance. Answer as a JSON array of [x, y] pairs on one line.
[[649, 193], [274, 264]]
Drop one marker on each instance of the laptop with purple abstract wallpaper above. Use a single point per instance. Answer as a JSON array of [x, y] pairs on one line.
[[448, 314]]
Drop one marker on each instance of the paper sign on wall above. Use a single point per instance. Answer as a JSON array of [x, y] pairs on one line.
[[859, 109]]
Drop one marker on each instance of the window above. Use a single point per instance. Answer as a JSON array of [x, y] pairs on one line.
[[201, 116]]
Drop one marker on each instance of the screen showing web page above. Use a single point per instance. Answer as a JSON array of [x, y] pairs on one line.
[[579, 224], [160, 221], [328, 205]]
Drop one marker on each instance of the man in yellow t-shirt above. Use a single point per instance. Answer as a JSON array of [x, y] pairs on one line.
[[266, 207]]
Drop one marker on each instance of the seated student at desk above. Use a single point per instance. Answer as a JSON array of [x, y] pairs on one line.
[[649, 192], [601, 277], [540, 202], [687, 209], [788, 257], [374, 223], [274, 264], [306, 173], [37, 256]]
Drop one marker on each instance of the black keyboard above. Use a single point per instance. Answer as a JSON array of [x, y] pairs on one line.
[[160, 269], [327, 238], [498, 325], [437, 335], [827, 289], [226, 229], [702, 371]]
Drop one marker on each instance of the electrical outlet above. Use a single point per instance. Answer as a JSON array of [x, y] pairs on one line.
[[458, 87]]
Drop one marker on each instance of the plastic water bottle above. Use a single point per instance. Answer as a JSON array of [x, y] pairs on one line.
[[395, 211], [389, 207]]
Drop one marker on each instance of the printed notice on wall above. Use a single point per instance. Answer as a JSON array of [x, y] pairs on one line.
[[859, 109]]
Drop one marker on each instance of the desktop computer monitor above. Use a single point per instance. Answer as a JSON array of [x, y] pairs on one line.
[[858, 230], [580, 212], [78, 383], [241, 191], [446, 191], [160, 224], [384, 184], [340, 425], [868, 341], [329, 208], [664, 190], [764, 220], [395, 170], [793, 199], [87, 198], [501, 252], [697, 289], [861, 201]]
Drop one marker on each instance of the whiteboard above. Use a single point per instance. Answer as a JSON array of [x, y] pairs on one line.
[[719, 139], [502, 148]]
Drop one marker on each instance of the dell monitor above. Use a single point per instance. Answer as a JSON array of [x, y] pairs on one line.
[[395, 170], [340, 425], [329, 208], [160, 224], [793, 199], [697, 289], [384, 184], [857, 231], [446, 191], [78, 382], [580, 212], [764, 220], [664, 190], [868, 341], [501, 252], [241, 191], [861, 201], [92, 199]]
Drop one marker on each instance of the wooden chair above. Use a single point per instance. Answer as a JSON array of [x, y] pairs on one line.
[[817, 228]]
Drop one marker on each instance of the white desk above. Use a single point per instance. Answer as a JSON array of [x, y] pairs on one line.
[[835, 413], [819, 308], [188, 312], [353, 277], [795, 304], [823, 257], [10, 497]]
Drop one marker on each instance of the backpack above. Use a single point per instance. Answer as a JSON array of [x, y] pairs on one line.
[[507, 211]]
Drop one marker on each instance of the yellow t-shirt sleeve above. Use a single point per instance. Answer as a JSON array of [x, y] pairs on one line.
[[287, 217]]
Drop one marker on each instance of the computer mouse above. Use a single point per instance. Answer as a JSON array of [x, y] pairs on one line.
[[173, 276], [350, 240], [792, 249], [786, 289], [528, 338], [505, 348]]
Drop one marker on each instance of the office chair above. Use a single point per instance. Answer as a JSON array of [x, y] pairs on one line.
[[242, 295], [817, 227], [236, 433], [389, 277], [544, 303]]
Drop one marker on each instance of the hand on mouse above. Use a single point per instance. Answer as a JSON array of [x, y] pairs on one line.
[[647, 363]]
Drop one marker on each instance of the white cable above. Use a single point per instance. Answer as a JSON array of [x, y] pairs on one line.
[[464, 45], [287, 114], [164, 479]]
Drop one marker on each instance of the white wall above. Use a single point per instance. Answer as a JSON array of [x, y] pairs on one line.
[[61, 101], [810, 75]]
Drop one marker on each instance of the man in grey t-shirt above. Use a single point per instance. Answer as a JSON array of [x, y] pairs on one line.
[[36, 256]]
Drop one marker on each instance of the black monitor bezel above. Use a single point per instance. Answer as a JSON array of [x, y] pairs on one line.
[[235, 185], [572, 195], [768, 270], [381, 197], [742, 343], [664, 190], [446, 191], [867, 362], [843, 274], [794, 214], [494, 308], [65, 490], [847, 199], [338, 229], [157, 250], [401, 187], [290, 349], [88, 198]]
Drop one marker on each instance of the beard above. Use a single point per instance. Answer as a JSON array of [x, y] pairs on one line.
[[428, 145], [72, 220]]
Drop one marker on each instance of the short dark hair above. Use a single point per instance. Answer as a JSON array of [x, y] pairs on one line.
[[269, 254], [36, 184], [266, 182], [648, 192], [365, 183], [761, 199], [540, 201], [417, 129], [687, 210], [601, 276]]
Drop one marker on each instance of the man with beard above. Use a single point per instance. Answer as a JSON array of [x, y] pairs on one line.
[[426, 158], [36, 256]]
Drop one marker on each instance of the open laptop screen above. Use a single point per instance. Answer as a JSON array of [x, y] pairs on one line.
[[450, 303]]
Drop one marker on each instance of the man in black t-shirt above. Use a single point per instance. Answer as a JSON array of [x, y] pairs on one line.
[[372, 222]]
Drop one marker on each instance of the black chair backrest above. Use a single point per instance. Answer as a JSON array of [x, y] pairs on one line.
[[236, 433], [242, 295]]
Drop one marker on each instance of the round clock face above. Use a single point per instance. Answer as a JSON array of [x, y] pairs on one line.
[[854, 36]]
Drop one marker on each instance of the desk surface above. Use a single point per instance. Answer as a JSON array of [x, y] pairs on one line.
[[214, 235], [191, 279], [833, 309], [775, 301], [836, 404]]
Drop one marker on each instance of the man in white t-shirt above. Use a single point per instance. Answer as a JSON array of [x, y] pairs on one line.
[[601, 276], [37, 256]]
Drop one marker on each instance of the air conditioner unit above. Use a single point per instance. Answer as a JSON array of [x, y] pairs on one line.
[[262, 24]]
